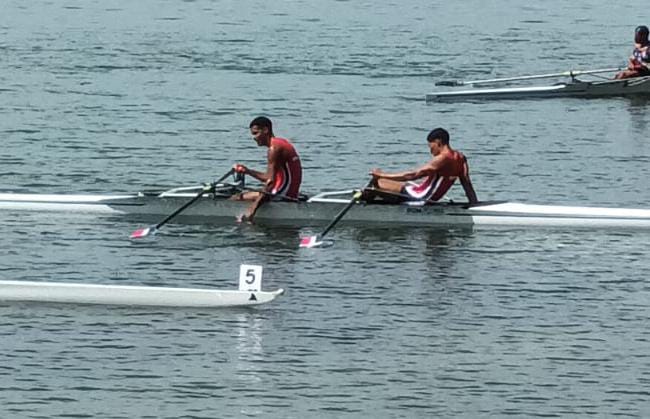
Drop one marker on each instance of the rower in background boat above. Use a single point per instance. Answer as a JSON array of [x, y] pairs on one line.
[[438, 175], [283, 174], [639, 62]]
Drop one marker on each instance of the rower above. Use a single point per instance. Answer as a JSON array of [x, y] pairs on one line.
[[283, 173], [639, 62], [439, 175]]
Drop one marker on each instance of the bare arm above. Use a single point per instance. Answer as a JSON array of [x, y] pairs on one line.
[[467, 185], [425, 170], [264, 177], [274, 159], [254, 206], [261, 176], [267, 178]]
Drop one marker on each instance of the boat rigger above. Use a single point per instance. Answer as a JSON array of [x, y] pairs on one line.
[[319, 210]]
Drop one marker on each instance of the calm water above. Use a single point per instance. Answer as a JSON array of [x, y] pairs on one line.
[[122, 96]]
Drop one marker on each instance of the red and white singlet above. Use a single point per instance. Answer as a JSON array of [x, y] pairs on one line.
[[287, 180], [433, 188]]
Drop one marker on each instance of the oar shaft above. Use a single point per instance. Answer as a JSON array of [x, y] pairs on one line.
[[344, 211], [339, 215], [190, 202], [531, 77], [178, 211]]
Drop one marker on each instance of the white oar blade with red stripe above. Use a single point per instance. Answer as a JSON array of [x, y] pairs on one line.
[[314, 241], [310, 241], [317, 241], [142, 232]]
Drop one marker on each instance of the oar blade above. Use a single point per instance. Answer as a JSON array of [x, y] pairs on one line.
[[314, 241], [142, 232], [317, 241], [450, 83], [310, 241]]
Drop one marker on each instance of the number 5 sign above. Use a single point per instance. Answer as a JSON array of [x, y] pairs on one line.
[[250, 277]]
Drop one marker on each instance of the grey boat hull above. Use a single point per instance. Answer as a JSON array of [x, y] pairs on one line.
[[636, 86], [321, 209]]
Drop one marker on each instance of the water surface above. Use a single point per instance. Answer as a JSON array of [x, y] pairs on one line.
[[125, 96]]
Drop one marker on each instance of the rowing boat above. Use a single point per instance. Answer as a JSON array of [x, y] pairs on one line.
[[61, 292], [75, 293], [574, 88], [248, 294], [320, 209]]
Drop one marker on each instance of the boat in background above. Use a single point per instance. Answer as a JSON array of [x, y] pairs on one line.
[[574, 88]]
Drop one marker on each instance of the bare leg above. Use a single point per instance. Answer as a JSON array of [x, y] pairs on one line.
[[246, 196], [390, 185], [392, 190], [628, 74]]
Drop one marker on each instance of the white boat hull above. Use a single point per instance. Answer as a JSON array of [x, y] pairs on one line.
[[636, 86], [73, 293], [319, 211]]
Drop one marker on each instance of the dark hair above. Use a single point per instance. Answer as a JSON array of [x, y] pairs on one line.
[[262, 122], [641, 34], [438, 134]]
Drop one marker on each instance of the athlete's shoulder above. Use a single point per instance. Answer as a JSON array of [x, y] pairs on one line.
[[282, 143], [449, 155], [280, 140], [456, 154]]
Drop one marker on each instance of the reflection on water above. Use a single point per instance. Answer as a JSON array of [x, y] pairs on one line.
[[638, 101], [638, 107], [264, 243], [436, 247], [432, 236], [249, 337]]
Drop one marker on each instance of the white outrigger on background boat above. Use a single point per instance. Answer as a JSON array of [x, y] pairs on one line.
[[248, 294], [318, 210], [573, 88]]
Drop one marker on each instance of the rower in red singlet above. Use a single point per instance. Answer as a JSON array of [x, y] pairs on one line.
[[438, 175], [639, 62], [283, 174]]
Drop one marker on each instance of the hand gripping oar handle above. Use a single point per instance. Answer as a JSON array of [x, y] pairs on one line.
[[146, 231], [317, 240]]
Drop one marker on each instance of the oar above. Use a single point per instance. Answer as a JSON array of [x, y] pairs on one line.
[[571, 73], [315, 241], [144, 232]]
